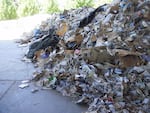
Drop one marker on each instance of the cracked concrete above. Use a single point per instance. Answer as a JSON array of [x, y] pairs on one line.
[[16, 100], [5, 86]]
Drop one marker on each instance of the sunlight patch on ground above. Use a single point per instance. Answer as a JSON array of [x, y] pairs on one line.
[[13, 29]]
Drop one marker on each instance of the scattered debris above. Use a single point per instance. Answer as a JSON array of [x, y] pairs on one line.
[[25, 81], [34, 90], [23, 85]]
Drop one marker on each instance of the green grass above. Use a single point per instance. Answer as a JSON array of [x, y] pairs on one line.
[[12, 10]]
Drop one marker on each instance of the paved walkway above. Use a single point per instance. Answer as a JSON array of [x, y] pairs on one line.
[[16, 100], [13, 71]]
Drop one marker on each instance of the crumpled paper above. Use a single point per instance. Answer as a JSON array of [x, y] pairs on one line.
[[102, 62]]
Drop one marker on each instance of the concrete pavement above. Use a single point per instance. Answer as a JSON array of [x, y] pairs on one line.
[[16, 100]]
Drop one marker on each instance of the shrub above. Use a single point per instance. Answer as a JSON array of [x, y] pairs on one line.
[[7, 9], [51, 6], [82, 3], [11, 9], [28, 7]]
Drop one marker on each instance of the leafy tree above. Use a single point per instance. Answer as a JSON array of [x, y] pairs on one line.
[[7, 9], [81, 3], [28, 7], [51, 6]]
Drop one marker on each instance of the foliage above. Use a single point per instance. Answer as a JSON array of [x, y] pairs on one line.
[[7, 9], [50, 6], [11, 9], [81, 3], [28, 7]]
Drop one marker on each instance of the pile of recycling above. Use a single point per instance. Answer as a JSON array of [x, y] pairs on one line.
[[99, 57]]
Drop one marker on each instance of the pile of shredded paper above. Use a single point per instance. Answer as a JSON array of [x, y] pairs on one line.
[[99, 57]]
